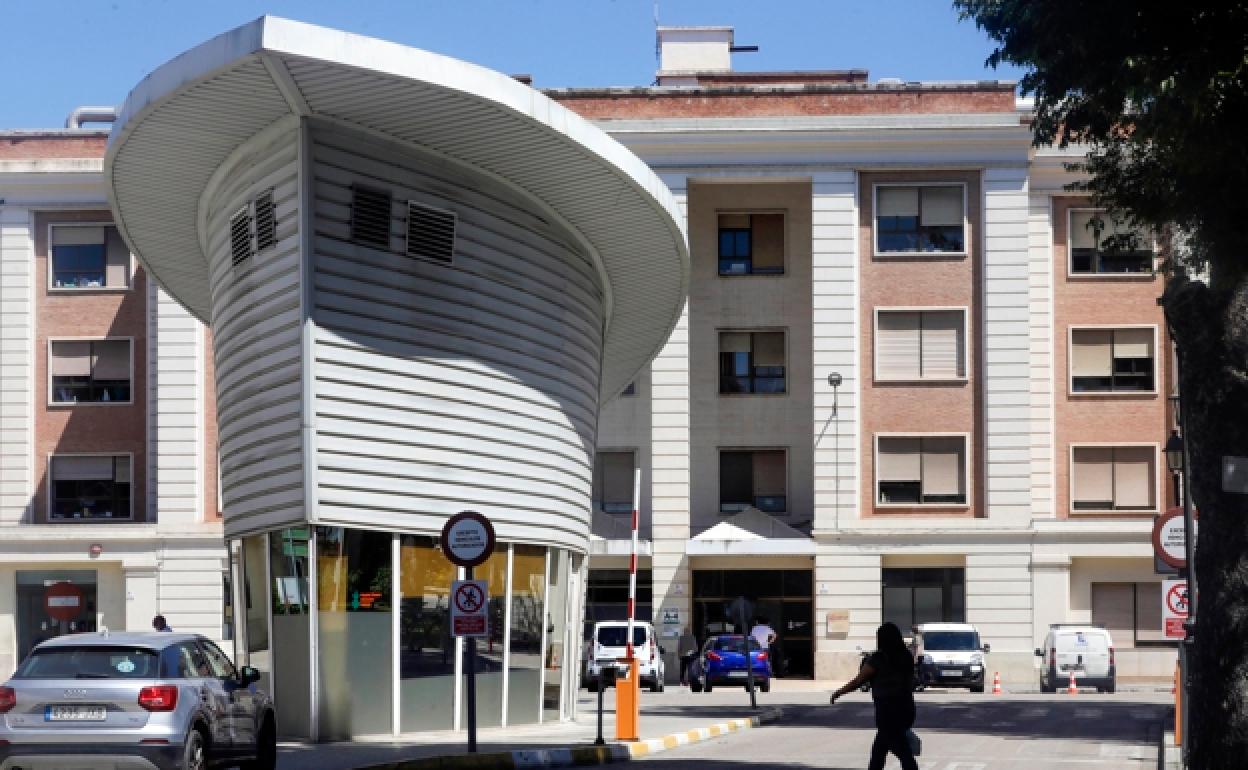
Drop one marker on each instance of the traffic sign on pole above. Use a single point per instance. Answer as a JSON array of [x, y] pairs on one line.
[[1175, 607], [1169, 538], [469, 605], [467, 539]]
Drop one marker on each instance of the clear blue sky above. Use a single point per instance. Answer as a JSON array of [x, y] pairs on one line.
[[60, 54]]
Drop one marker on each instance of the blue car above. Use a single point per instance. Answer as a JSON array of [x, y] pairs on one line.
[[722, 662]]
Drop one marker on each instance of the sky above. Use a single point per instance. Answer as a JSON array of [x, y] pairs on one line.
[[62, 54]]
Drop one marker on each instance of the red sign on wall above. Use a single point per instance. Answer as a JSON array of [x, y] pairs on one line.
[[63, 601]]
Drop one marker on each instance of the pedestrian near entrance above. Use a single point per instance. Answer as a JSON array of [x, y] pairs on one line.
[[159, 623], [890, 669], [688, 647], [766, 637]]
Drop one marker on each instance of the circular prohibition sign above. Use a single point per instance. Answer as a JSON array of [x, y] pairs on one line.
[[467, 539], [1176, 599], [469, 598]]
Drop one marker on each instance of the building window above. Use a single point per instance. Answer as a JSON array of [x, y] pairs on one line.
[[613, 481], [920, 218], [1120, 478], [751, 244], [1102, 243], [630, 389], [90, 487], [1131, 612], [920, 345], [923, 595], [89, 257], [751, 362], [921, 470], [752, 478], [1112, 360], [90, 371]]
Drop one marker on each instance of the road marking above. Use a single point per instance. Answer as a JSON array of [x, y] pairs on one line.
[[1035, 713], [965, 766], [1118, 751], [1085, 713], [1144, 715]]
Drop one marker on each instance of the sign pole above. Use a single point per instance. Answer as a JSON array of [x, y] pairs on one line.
[[628, 695], [471, 664]]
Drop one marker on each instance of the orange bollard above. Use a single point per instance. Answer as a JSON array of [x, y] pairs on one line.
[[1073, 689], [628, 703], [996, 683]]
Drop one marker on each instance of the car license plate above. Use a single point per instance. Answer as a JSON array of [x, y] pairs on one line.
[[736, 674], [950, 672], [75, 714]]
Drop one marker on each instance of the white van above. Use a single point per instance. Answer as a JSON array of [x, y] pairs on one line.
[[1086, 651], [607, 648], [949, 655]]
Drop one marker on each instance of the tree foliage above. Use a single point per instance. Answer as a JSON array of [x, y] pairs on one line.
[[1158, 91]]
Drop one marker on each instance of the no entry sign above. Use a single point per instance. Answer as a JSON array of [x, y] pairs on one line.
[[467, 539], [63, 601], [469, 605], [1174, 607], [1169, 538]]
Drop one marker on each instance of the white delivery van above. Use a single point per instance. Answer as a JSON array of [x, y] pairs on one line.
[[1084, 650], [949, 655], [607, 648]]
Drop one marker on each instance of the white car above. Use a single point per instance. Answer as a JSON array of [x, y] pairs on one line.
[[1083, 650], [607, 649], [950, 655]]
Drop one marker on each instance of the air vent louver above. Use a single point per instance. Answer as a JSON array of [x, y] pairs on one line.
[[266, 222], [370, 217], [240, 237], [430, 232]]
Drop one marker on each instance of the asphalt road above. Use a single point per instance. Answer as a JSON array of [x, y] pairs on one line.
[[959, 732]]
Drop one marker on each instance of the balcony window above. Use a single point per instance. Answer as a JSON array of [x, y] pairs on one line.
[[1102, 243], [90, 487], [751, 244], [89, 257], [921, 470], [613, 482], [920, 219], [751, 362], [920, 345], [1112, 360], [752, 478], [1120, 478], [90, 371]]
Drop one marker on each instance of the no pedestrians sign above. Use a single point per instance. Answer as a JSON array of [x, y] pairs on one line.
[[469, 605], [1174, 607]]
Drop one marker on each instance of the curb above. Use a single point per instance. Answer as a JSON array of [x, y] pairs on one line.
[[581, 756]]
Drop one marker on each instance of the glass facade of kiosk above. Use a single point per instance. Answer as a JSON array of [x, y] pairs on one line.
[[371, 608]]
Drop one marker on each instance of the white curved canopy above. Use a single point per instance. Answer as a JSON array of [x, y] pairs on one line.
[[183, 121]]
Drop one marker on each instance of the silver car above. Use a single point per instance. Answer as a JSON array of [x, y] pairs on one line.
[[134, 701]]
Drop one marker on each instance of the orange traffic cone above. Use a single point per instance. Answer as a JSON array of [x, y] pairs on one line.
[[996, 683], [1073, 689]]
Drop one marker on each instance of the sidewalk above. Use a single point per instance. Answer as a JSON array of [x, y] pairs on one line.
[[669, 715]]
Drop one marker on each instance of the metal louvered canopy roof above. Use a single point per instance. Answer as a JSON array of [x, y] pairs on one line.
[[185, 119]]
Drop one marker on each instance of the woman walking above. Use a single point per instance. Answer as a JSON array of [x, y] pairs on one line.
[[890, 669]]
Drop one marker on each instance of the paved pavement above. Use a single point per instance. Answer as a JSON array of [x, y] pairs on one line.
[[960, 732]]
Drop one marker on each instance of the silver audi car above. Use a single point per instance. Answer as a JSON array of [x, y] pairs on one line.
[[134, 701]]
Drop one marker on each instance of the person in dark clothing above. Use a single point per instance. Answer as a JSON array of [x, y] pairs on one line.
[[890, 669]]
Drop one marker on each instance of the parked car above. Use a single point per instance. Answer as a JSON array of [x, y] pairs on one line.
[[607, 648], [949, 655], [162, 701], [1085, 651], [722, 662]]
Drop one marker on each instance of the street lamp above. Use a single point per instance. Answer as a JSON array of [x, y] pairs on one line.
[[1174, 461], [834, 381]]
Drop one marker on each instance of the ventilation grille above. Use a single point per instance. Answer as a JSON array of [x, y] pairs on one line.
[[430, 232], [266, 222], [240, 237], [370, 217]]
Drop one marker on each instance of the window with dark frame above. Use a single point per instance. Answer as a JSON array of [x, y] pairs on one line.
[[90, 371], [613, 481], [751, 362], [91, 487], [921, 470], [630, 389], [920, 345], [1103, 243], [919, 219], [751, 244], [756, 478], [914, 595], [89, 257], [1122, 478], [1131, 612], [1112, 360]]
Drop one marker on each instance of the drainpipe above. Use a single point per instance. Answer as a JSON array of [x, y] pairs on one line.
[[91, 115]]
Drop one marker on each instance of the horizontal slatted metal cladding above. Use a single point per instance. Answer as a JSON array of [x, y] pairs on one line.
[[257, 343], [446, 387]]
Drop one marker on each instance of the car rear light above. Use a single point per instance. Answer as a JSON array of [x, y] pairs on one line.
[[762, 656], [712, 655], [161, 697], [8, 699]]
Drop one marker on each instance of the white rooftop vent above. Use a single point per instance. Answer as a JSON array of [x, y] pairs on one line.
[[890, 82], [687, 50]]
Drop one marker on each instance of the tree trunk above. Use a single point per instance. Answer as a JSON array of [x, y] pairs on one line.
[[1211, 330]]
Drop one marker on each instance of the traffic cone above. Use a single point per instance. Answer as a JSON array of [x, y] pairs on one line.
[[1073, 689], [996, 683]]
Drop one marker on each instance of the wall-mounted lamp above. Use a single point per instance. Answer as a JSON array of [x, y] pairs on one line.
[[834, 380]]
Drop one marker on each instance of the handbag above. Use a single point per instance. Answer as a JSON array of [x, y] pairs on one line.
[[916, 745]]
